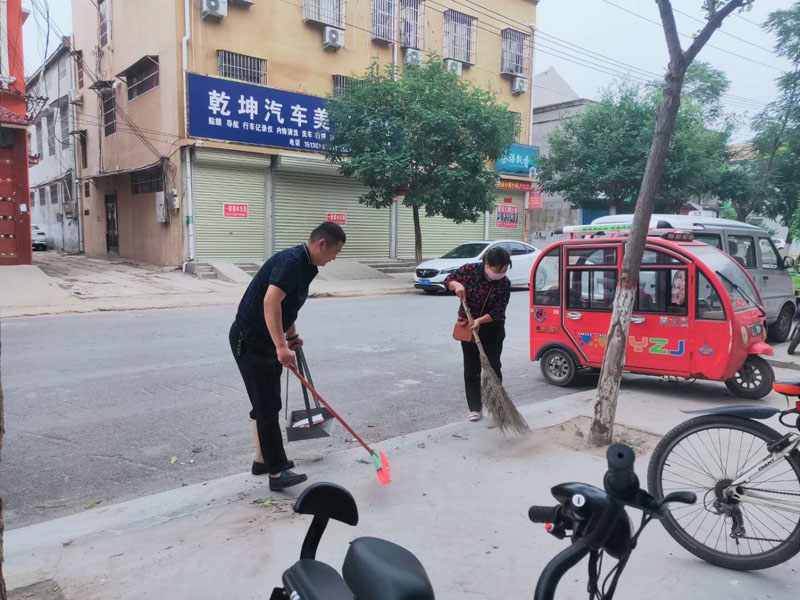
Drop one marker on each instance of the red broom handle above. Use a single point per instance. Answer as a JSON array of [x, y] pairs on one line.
[[328, 406]]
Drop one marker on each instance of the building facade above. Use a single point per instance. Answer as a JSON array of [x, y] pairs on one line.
[[15, 218], [204, 120], [51, 136]]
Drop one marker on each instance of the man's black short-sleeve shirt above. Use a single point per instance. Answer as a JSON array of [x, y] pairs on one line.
[[292, 271]]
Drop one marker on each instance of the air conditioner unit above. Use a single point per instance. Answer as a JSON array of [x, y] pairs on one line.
[[76, 98], [243, 2], [519, 85], [453, 66], [413, 56], [332, 38], [215, 10]]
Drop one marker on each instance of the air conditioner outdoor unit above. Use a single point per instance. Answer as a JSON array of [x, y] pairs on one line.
[[76, 98], [332, 38], [215, 10], [519, 85], [243, 2], [453, 66], [413, 56]]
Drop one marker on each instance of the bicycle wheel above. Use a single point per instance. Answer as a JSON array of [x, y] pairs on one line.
[[704, 455]]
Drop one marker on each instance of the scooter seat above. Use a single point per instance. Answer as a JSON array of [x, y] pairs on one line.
[[379, 570], [314, 580], [789, 387]]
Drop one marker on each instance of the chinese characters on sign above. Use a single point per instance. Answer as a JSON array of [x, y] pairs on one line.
[[535, 197], [234, 211], [520, 160], [511, 184], [252, 114], [338, 218], [507, 216]]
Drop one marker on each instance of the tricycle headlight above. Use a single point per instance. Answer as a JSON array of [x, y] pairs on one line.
[[756, 329]]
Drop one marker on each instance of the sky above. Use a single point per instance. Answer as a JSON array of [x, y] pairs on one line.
[[612, 44]]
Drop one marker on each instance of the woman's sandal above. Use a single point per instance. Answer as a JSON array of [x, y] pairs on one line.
[[474, 416]]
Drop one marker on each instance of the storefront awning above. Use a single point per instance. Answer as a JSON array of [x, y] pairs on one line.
[[12, 120]]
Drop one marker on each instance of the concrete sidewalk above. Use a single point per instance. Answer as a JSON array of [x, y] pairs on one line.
[[60, 284], [459, 501]]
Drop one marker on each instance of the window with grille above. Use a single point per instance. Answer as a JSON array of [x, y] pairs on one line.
[[142, 77], [241, 67], [516, 120], [62, 70], [147, 180], [54, 193], [109, 113], [460, 36], [412, 23], [383, 19], [84, 149], [515, 59], [340, 84], [325, 12], [104, 18], [39, 139], [79, 64], [87, 189], [51, 134], [64, 111]]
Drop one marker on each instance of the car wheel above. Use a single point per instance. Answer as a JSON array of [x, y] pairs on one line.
[[779, 330]]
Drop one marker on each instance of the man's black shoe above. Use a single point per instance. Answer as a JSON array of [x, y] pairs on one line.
[[285, 480], [262, 468]]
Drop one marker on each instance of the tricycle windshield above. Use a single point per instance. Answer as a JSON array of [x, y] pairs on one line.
[[737, 284]]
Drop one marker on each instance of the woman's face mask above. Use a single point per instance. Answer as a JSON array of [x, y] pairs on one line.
[[494, 275]]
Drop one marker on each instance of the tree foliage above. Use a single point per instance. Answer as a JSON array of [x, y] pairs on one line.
[[426, 135]]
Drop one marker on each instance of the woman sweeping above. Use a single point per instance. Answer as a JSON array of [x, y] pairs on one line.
[[486, 290]]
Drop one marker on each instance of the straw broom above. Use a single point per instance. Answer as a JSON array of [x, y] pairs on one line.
[[493, 395]]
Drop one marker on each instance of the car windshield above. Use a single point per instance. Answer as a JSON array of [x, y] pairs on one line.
[[466, 251], [736, 282]]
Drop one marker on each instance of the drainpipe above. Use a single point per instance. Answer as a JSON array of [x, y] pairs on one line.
[[529, 211], [187, 154]]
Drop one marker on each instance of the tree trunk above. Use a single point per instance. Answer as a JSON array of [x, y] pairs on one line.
[[741, 213], [417, 235], [614, 359], [3, 593]]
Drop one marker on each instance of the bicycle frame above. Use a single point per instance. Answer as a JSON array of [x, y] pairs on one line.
[[754, 497]]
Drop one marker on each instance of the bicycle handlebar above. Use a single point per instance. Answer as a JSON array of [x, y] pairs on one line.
[[543, 514], [557, 568]]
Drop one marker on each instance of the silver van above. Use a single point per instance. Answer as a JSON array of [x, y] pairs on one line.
[[753, 248]]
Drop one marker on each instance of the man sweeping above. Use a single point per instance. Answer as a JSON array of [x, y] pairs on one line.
[[262, 338]]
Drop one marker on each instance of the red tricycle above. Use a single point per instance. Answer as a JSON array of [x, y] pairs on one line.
[[697, 313]]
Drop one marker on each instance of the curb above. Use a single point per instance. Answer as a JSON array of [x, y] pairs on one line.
[[784, 365]]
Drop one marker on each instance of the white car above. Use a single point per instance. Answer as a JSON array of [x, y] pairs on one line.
[[430, 275], [38, 238], [780, 244]]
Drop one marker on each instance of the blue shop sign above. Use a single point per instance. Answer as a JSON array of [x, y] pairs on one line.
[[220, 109], [520, 160]]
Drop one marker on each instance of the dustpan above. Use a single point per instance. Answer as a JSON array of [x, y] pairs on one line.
[[310, 422]]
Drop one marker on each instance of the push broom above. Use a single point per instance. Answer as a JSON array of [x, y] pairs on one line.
[[493, 395], [379, 458]]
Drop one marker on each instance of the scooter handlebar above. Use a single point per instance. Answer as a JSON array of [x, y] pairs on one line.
[[543, 514]]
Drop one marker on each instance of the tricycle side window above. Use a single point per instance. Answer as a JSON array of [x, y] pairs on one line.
[[546, 282], [709, 303], [591, 289], [662, 291], [592, 257]]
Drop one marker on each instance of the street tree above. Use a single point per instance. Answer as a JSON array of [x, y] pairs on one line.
[[617, 341], [777, 127], [424, 135]]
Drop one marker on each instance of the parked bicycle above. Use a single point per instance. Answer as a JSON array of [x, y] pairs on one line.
[[747, 476], [376, 569]]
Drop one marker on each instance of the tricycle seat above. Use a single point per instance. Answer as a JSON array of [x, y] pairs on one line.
[[314, 580], [379, 570]]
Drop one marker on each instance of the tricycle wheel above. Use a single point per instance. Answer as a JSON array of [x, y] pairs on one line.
[[558, 367], [753, 380]]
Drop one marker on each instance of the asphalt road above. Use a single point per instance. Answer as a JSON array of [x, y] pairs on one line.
[[97, 405]]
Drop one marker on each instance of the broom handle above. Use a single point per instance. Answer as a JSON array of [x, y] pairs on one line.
[[474, 333], [328, 406]]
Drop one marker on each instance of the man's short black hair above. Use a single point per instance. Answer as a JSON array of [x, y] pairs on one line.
[[330, 232], [497, 257]]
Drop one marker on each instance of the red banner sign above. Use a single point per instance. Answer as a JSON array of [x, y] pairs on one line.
[[338, 218], [512, 184], [234, 211], [507, 216], [535, 198]]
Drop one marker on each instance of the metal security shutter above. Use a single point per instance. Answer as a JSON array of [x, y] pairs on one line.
[[438, 234], [229, 177], [303, 201], [508, 233]]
